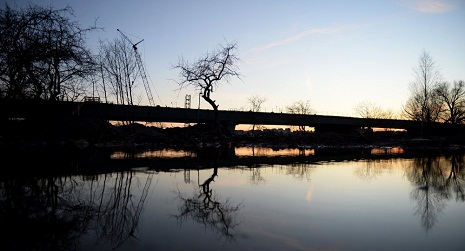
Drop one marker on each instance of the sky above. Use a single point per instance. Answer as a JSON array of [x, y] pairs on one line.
[[335, 54]]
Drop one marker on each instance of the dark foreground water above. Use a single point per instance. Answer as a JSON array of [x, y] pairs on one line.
[[237, 199]]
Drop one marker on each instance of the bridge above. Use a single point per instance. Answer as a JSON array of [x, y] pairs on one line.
[[115, 112]]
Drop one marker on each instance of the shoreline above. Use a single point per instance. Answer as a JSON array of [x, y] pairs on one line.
[[87, 134]]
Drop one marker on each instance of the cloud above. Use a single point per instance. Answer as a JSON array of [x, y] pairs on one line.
[[429, 6], [298, 36]]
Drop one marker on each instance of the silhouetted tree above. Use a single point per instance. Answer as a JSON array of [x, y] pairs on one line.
[[42, 54], [423, 104], [453, 99], [367, 109], [256, 105], [118, 69], [300, 107], [209, 71]]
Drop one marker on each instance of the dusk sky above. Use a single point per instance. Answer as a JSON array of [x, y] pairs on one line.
[[334, 54]]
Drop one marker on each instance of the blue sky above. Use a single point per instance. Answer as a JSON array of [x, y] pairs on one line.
[[334, 54]]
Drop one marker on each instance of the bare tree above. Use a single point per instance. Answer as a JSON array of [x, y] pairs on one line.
[[209, 71], [42, 53], [119, 69], [303, 108], [256, 102], [423, 104], [368, 109], [453, 99], [256, 105]]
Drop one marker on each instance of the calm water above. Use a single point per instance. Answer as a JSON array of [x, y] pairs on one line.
[[238, 199]]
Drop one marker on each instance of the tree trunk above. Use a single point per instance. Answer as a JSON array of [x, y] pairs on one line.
[[215, 109]]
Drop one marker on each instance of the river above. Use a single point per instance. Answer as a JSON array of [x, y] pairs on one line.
[[244, 198]]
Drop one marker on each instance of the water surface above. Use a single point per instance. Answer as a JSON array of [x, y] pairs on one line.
[[238, 199]]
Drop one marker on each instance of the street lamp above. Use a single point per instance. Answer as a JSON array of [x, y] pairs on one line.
[[198, 111]]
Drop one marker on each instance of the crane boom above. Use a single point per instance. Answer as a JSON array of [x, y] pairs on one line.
[[141, 69]]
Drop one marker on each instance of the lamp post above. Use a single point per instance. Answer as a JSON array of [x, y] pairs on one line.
[[198, 111]]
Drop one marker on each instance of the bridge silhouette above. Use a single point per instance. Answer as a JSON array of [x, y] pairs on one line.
[[116, 112]]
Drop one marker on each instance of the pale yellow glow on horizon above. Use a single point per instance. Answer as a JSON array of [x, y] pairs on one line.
[[387, 151], [268, 152], [164, 153]]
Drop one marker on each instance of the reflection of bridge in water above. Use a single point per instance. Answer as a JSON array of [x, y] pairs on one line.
[[230, 157], [321, 123], [101, 160]]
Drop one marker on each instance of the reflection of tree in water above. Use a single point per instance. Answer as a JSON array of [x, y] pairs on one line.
[[299, 170], [373, 168], [53, 213], [38, 210], [436, 180], [256, 177], [429, 205], [455, 180], [118, 209], [369, 171], [205, 207]]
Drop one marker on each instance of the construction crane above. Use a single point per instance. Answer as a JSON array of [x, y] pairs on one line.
[[141, 68]]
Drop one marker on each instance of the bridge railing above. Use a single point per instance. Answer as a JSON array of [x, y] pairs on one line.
[[92, 99], [283, 110]]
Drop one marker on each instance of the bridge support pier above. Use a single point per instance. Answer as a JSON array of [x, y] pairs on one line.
[[229, 127]]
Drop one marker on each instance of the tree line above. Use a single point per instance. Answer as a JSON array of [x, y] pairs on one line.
[[432, 99], [44, 55]]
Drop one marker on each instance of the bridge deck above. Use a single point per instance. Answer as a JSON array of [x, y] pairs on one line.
[[25, 109]]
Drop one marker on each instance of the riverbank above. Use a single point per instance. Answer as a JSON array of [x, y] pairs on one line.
[[101, 134]]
